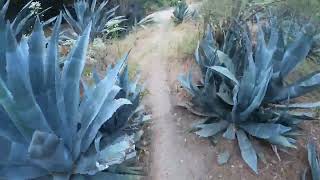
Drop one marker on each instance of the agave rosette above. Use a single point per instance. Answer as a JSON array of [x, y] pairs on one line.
[[181, 12], [242, 91], [103, 19], [47, 130]]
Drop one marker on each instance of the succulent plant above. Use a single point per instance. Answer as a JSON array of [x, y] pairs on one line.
[[313, 159], [143, 22], [103, 19], [128, 118], [131, 116], [181, 12], [242, 90], [47, 129]]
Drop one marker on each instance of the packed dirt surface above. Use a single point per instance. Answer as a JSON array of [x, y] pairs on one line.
[[171, 158], [175, 153]]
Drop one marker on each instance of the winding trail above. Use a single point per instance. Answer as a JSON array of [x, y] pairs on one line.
[[170, 156], [167, 150]]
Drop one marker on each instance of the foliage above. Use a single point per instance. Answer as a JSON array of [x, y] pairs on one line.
[[186, 45], [242, 89], [214, 11], [313, 159], [22, 21], [153, 5], [35, 7], [103, 19], [143, 22], [306, 8], [181, 12], [48, 130]]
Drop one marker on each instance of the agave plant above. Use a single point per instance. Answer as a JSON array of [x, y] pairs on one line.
[[128, 118], [245, 95], [290, 23], [132, 112], [290, 27], [181, 12], [103, 19], [313, 159], [143, 22], [47, 130]]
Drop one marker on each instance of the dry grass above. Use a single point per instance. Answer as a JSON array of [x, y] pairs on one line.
[[185, 41]]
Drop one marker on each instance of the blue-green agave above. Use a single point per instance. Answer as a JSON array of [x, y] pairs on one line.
[[181, 12], [243, 91], [47, 129], [103, 19]]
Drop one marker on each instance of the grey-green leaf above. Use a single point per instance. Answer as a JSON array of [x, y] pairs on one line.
[[225, 72], [265, 130], [248, 153], [207, 130], [223, 157]]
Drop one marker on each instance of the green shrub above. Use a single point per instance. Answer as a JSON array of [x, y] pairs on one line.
[[153, 5], [306, 7], [214, 11]]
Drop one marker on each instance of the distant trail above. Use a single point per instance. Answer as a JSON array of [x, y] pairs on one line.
[[171, 159], [167, 148]]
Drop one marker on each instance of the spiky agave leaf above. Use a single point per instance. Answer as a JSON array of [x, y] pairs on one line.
[[181, 12], [143, 22], [47, 130], [103, 19], [288, 55], [236, 85], [313, 159], [128, 118]]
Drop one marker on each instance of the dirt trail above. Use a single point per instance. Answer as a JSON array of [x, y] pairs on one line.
[[170, 156], [168, 151]]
